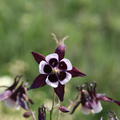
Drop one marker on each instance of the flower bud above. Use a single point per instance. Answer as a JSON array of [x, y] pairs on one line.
[[64, 109], [42, 113], [27, 114]]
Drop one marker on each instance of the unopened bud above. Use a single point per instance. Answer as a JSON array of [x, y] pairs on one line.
[[27, 114], [64, 109]]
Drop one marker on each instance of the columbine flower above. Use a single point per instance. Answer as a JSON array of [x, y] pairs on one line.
[[55, 70], [90, 100], [42, 113], [16, 95]]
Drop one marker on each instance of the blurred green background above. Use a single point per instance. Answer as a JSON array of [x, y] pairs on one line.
[[94, 46]]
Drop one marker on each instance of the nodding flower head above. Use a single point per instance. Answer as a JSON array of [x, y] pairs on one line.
[[42, 113], [16, 95], [90, 100], [55, 70]]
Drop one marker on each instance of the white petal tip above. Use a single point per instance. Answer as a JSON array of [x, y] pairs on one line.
[[52, 84]]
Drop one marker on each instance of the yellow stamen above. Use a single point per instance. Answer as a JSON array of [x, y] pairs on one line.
[[55, 70]]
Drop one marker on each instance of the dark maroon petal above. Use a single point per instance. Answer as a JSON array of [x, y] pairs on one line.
[[60, 91], [47, 69], [39, 81], [62, 65], [53, 62], [76, 72], [108, 99], [53, 77], [62, 75], [5, 95], [60, 50], [38, 57]]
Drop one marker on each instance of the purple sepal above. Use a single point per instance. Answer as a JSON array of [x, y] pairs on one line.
[[60, 50], [76, 72], [39, 81], [5, 95], [23, 103], [60, 92], [38, 57], [108, 99]]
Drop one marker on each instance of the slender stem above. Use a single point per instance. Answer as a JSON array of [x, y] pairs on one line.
[[33, 115], [59, 115], [59, 112], [53, 102], [75, 107]]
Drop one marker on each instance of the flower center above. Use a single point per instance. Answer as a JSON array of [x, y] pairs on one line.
[[55, 70]]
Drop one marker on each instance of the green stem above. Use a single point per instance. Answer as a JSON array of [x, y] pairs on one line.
[[59, 115], [33, 115], [53, 102], [59, 112]]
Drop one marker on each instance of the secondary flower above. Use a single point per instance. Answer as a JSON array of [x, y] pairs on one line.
[[90, 100], [42, 113], [55, 70], [16, 95]]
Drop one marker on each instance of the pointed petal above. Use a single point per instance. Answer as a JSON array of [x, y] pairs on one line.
[[60, 92], [108, 99], [66, 79], [60, 50], [5, 95], [76, 72], [39, 81], [38, 57]]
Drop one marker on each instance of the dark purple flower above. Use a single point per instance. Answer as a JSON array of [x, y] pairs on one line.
[[55, 71], [42, 113], [16, 95], [90, 100]]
